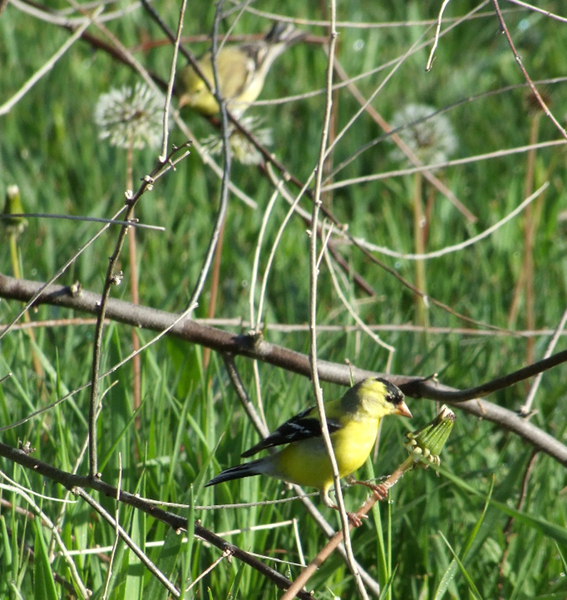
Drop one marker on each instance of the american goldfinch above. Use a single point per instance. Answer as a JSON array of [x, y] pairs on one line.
[[353, 426], [241, 71]]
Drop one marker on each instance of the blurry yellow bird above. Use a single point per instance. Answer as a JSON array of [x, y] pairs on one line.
[[353, 425], [241, 71]]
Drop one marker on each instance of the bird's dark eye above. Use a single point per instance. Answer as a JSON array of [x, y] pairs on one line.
[[394, 394]]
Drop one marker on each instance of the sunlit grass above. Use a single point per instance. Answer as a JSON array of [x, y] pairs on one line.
[[191, 425]]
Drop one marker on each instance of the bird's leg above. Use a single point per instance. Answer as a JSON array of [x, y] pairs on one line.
[[379, 489], [354, 518]]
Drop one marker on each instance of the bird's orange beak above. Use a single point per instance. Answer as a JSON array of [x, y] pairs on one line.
[[403, 410], [183, 100]]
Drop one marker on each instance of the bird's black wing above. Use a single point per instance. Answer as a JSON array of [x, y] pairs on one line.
[[304, 425]]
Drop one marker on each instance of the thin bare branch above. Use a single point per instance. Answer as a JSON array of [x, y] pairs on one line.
[[535, 91], [49, 64], [313, 273], [539, 10], [79, 483], [442, 165], [163, 155], [527, 407], [456, 247], [113, 277], [152, 568], [436, 39]]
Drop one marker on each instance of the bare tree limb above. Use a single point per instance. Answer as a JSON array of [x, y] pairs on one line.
[[81, 482], [296, 362]]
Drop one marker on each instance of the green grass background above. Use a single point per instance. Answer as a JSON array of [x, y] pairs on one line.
[[190, 423]]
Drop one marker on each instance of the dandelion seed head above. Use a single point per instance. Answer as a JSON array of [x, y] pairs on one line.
[[432, 140], [241, 148], [358, 45], [533, 104], [129, 116]]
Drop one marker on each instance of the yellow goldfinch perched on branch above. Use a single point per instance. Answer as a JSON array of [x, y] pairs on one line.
[[241, 72], [353, 425]]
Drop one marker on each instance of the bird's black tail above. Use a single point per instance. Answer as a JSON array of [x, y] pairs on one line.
[[240, 471], [284, 32]]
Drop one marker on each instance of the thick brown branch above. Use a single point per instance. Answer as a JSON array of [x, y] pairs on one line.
[[255, 347], [70, 481]]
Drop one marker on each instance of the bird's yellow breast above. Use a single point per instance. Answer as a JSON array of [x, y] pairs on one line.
[[353, 443], [307, 463]]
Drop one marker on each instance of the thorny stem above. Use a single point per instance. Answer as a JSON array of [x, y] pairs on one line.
[[112, 278]]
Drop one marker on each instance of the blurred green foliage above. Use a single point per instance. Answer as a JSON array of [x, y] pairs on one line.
[[49, 147]]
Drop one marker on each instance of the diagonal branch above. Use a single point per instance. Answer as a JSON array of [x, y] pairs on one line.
[[82, 482], [296, 362]]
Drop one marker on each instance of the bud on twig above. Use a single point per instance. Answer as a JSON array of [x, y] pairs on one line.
[[426, 444], [13, 206]]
